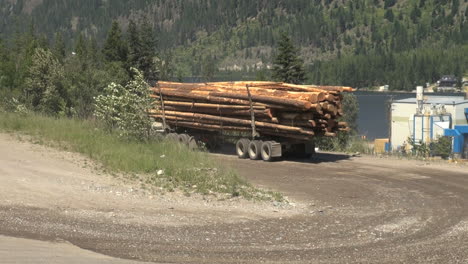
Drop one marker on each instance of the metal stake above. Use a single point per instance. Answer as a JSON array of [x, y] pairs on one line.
[[162, 107], [252, 114]]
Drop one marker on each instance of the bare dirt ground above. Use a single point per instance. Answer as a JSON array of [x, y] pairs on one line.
[[343, 210]]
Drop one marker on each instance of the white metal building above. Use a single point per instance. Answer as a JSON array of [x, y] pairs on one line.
[[427, 120]]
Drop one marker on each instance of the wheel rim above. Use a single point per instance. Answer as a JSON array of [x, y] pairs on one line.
[[265, 152], [192, 143], [253, 151], [240, 149]]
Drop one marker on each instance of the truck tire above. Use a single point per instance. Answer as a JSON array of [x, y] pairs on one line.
[[266, 151], [255, 148], [183, 139], [172, 137], [242, 148], [192, 143]]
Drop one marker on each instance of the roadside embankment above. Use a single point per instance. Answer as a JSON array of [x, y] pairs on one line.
[[156, 163]]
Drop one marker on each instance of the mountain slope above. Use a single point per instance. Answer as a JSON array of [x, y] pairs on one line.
[[239, 35]]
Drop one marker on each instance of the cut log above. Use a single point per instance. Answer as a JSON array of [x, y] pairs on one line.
[[301, 123], [214, 106], [223, 112], [240, 121], [210, 127], [267, 99], [208, 98]]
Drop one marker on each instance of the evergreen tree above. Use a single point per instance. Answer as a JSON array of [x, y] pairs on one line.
[[148, 57], [93, 51], [208, 69], [59, 47], [389, 15], [44, 85], [81, 48], [134, 45], [7, 68], [389, 3], [115, 48], [288, 66]]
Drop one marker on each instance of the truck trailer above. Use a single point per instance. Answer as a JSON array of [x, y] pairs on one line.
[[265, 120]]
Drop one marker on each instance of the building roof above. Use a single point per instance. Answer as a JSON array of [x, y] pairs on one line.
[[446, 100]]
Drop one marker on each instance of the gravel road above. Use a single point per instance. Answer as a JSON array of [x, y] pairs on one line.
[[342, 210]]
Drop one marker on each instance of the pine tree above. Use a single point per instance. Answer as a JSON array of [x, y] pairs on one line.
[[81, 48], [208, 69], [59, 47], [288, 66], [44, 85], [148, 56], [93, 51], [389, 15], [134, 44], [115, 48], [6, 68]]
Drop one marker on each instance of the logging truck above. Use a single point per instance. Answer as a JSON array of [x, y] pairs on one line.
[[265, 120]]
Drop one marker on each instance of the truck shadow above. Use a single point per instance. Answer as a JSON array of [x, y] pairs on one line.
[[319, 157]]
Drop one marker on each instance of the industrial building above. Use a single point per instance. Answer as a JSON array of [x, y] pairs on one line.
[[425, 118]]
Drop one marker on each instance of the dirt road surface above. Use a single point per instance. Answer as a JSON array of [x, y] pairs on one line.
[[343, 210]]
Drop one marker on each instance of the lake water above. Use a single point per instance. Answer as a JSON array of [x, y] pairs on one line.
[[373, 111]]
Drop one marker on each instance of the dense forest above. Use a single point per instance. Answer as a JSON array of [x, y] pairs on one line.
[[359, 43]]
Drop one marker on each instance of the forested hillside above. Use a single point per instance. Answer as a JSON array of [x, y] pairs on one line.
[[359, 43]]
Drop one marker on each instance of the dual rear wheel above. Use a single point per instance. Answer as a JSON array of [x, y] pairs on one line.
[[255, 149], [183, 139]]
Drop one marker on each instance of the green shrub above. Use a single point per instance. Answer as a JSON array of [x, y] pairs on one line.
[[442, 147], [125, 108]]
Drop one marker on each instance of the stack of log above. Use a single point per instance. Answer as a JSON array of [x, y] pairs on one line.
[[264, 108]]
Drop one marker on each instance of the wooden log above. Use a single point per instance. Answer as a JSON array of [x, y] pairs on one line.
[[324, 105], [321, 121], [305, 105], [208, 98], [301, 123], [224, 112], [241, 121], [208, 90], [210, 127], [264, 85], [190, 98], [307, 96], [342, 124], [331, 109], [250, 83], [219, 126], [214, 106], [184, 119]]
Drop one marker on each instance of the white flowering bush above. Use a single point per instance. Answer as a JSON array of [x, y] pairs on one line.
[[125, 109]]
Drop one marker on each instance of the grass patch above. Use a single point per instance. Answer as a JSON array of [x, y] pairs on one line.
[[178, 167]]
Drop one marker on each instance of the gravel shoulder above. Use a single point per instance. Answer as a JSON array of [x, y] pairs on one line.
[[343, 210], [28, 251]]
